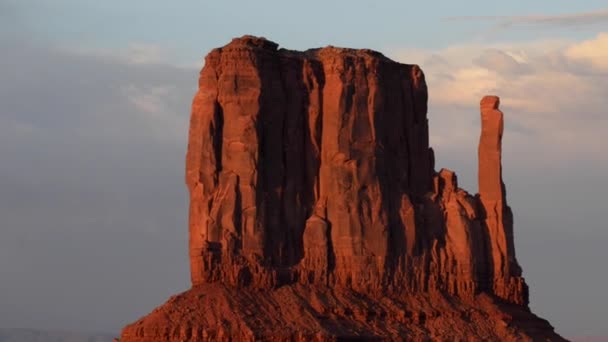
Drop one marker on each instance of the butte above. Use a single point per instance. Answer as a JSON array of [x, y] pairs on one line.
[[316, 213]]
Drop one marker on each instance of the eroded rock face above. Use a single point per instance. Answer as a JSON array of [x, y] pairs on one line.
[[285, 144], [312, 184]]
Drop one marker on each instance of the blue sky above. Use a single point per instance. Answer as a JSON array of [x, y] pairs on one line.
[[189, 28], [95, 106]]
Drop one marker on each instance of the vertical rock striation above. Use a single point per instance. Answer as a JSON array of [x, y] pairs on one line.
[[319, 162], [287, 148], [314, 202]]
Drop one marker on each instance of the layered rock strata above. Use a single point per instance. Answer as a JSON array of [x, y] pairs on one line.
[[316, 213]]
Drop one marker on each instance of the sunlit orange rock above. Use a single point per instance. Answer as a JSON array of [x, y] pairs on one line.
[[498, 218], [316, 213]]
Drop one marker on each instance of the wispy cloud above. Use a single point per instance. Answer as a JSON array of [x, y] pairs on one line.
[[134, 53], [570, 19]]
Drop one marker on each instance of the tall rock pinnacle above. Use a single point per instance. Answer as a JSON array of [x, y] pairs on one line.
[[491, 186], [316, 212], [498, 216]]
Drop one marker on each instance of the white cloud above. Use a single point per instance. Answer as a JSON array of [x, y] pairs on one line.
[[593, 52], [149, 100], [155, 107], [552, 93]]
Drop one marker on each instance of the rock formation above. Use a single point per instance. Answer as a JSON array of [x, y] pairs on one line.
[[316, 213]]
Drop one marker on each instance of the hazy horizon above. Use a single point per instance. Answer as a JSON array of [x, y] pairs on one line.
[[95, 102]]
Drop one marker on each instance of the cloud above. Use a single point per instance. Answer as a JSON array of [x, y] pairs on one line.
[[592, 52], [95, 97], [502, 62], [154, 106], [134, 53], [570, 19], [147, 100], [551, 93], [92, 150]]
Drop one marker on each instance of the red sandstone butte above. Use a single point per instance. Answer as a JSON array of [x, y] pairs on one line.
[[316, 213]]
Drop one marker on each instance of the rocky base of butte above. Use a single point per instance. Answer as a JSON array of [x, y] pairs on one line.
[[316, 213]]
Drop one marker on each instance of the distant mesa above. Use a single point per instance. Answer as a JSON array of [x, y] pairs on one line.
[[316, 213]]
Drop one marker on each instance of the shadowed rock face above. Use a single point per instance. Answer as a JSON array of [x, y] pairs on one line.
[[316, 213]]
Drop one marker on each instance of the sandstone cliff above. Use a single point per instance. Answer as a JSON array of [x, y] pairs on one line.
[[316, 212]]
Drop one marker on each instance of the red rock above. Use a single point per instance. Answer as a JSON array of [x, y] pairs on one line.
[[507, 281], [315, 212]]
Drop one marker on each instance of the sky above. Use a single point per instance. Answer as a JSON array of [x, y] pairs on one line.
[[94, 110]]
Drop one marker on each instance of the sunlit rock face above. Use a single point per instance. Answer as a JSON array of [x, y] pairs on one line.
[[316, 212]]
